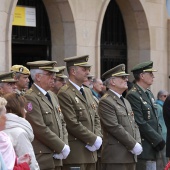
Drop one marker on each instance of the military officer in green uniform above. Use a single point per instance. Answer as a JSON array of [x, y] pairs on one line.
[[22, 76], [80, 113], [145, 111], [44, 114], [121, 137]]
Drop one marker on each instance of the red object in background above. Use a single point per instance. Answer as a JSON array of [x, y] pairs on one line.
[[167, 166]]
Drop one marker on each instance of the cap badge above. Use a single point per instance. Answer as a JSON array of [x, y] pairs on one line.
[[13, 75], [123, 68], [21, 69], [87, 58]]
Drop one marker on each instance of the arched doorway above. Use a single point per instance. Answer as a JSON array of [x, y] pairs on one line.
[[32, 43], [113, 38]]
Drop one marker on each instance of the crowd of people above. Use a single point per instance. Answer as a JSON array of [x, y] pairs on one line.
[[79, 122]]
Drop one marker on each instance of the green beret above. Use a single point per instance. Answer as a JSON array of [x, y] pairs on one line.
[[144, 67], [117, 71], [7, 77], [77, 61], [20, 69], [43, 65]]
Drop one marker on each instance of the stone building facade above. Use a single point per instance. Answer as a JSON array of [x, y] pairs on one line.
[[76, 30]]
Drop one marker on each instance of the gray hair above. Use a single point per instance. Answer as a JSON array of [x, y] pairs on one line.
[[107, 82], [34, 72], [160, 93]]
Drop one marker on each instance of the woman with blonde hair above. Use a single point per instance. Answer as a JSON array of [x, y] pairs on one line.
[[6, 148], [18, 128]]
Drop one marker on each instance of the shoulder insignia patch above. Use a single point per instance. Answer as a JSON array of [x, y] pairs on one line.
[[29, 107]]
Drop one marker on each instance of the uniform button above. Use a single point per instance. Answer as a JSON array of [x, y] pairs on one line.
[[87, 143], [142, 139], [152, 143], [75, 139], [40, 151], [117, 141]]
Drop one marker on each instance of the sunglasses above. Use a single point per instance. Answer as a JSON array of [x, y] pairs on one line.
[[123, 77], [165, 96]]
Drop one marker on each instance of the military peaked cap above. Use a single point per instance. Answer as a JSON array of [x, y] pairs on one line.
[[20, 69], [77, 61], [144, 67], [60, 73], [115, 72], [43, 65], [7, 77]]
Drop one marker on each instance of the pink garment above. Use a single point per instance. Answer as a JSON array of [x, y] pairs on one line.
[[7, 151]]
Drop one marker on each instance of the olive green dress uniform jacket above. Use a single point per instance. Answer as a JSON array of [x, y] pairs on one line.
[[120, 132], [83, 123], [49, 127], [145, 111]]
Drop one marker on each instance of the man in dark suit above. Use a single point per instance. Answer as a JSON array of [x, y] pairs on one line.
[[145, 111], [80, 113], [45, 116], [121, 138]]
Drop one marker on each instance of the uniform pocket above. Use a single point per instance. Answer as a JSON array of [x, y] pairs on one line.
[[47, 116]]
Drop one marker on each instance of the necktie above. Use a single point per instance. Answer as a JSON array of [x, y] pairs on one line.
[[82, 92], [121, 98], [48, 97], [147, 93]]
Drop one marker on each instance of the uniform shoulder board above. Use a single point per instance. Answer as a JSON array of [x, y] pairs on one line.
[[85, 86], [134, 89], [105, 95], [29, 91], [65, 87]]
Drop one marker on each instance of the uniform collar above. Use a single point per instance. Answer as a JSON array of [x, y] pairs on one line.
[[75, 85], [117, 94], [41, 90]]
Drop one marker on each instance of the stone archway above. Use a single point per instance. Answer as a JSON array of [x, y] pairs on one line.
[[63, 34], [137, 31]]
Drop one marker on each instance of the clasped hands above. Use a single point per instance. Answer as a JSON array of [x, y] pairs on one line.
[[96, 144], [64, 153]]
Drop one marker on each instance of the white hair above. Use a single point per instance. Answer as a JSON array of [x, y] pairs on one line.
[[34, 72]]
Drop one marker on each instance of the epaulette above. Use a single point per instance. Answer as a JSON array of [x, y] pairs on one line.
[[134, 89], [105, 95], [85, 86], [29, 91], [64, 88]]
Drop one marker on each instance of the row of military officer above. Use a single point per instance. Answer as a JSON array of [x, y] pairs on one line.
[[67, 127]]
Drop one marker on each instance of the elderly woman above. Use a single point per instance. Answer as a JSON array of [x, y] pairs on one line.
[[18, 128], [6, 148]]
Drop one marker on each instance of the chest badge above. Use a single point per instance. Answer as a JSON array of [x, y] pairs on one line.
[[77, 99], [59, 109], [93, 106]]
